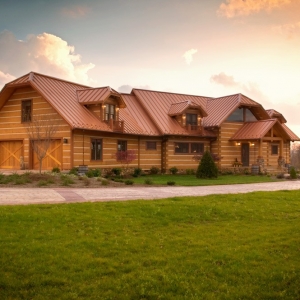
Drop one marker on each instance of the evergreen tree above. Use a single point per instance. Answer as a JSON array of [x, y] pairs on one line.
[[207, 167]]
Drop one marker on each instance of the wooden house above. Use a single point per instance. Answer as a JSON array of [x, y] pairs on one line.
[[164, 129]]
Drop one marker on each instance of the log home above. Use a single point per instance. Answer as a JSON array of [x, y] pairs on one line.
[[164, 129]]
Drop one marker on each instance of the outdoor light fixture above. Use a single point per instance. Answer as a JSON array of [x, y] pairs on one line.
[[238, 143], [65, 141]]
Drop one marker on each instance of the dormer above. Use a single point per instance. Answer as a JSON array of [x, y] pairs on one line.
[[274, 114], [104, 103], [188, 114]]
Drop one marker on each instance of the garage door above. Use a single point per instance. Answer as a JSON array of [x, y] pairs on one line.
[[52, 159], [10, 153]]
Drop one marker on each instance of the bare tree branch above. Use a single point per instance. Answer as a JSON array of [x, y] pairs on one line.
[[41, 131]]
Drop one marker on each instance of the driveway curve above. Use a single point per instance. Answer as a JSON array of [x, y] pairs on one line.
[[22, 196]]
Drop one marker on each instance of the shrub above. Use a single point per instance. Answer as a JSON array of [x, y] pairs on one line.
[[207, 167], [148, 181], [66, 180], [137, 172], [42, 183], [86, 180], [173, 170], [128, 182], [293, 173], [154, 170], [73, 171], [56, 170], [171, 183], [104, 182], [280, 176], [93, 173], [190, 172], [117, 171]]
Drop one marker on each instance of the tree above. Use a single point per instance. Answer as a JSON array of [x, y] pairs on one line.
[[41, 131], [295, 155], [125, 158], [207, 167]]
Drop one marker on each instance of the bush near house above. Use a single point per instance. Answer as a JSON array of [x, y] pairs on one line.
[[207, 167]]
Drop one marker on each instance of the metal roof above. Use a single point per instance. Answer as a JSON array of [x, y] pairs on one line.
[[98, 95], [144, 112], [180, 107], [157, 105], [253, 130], [219, 109], [275, 114], [293, 137]]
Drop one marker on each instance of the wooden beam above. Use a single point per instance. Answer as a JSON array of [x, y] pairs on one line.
[[260, 143]]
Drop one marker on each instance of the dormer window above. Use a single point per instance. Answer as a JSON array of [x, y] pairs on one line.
[[191, 119], [110, 112]]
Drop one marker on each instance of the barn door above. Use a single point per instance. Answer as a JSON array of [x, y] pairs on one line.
[[245, 154], [10, 153], [52, 159]]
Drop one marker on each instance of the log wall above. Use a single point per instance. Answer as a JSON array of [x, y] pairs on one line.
[[11, 127]]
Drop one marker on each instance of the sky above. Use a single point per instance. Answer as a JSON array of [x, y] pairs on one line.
[[200, 47]]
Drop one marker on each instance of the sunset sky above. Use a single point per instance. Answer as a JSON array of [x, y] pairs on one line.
[[205, 47]]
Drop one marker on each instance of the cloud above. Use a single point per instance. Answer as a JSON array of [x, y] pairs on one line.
[[289, 30], [43, 53], [126, 88], [250, 89], [4, 78], [234, 8], [224, 79], [75, 12], [188, 55]]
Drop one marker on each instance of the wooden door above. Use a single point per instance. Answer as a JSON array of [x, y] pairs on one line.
[[52, 159], [245, 154], [10, 153]]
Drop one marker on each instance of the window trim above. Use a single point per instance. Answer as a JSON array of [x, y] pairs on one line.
[[101, 151], [23, 120], [151, 148]]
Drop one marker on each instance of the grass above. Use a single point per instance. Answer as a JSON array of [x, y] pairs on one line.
[[191, 180], [243, 246]]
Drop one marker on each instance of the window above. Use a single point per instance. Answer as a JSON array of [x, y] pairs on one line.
[[191, 119], [274, 149], [181, 147], [197, 147], [96, 149], [150, 145], [110, 112], [236, 116], [122, 145], [242, 114], [189, 148], [26, 110]]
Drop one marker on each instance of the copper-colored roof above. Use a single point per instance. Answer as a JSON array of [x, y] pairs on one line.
[[145, 112], [275, 114], [136, 112], [219, 109], [180, 107], [157, 105], [98, 95], [293, 137], [253, 130]]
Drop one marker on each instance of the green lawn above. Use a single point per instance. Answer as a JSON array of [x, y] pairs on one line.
[[191, 180], [244, 246]]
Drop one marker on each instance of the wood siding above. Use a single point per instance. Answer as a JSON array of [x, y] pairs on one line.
[[11, 127], [182, 161]]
